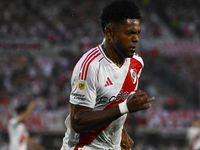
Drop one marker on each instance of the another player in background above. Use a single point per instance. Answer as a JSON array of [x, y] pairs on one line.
[[105, 84], [193, 135], [18, 134]]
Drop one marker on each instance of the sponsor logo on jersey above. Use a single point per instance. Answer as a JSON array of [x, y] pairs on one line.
[[81, 85], [78, 96], [122, 95], [133, 75]]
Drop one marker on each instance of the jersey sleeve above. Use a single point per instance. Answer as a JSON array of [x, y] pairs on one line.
[[83, 89]]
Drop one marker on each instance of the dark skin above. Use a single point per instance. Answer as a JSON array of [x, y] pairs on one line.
[[126, 142], [119, 43]]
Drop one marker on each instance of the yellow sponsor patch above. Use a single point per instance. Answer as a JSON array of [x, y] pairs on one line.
[[81, 86]]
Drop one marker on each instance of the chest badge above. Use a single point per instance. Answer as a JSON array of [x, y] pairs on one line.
[[133, 75]]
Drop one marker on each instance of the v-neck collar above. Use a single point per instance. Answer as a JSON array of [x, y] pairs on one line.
[[110, 61]]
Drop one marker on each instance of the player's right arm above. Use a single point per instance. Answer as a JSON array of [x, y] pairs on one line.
[[84, 119]]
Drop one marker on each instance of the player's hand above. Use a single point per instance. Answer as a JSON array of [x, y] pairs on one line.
[[31, 104], [127, 145], [126, 142], [138, 101]]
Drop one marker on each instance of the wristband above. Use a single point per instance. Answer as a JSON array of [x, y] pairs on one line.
[[123, 108]]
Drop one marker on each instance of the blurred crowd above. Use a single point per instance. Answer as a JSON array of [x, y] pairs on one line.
[[185, 16], [43, 79], [56, 20], [46, 79], [63, 21], [181, 74]]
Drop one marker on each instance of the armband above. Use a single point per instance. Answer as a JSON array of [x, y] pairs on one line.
[[123, 108]]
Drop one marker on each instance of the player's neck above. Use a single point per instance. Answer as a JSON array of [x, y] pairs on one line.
[[111, 54]]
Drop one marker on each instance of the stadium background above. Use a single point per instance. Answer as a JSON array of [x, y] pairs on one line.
[[41, 40]]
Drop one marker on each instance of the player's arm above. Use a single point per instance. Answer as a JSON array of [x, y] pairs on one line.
[[25, 115], [33, 144], [84, 119], [126, 142]]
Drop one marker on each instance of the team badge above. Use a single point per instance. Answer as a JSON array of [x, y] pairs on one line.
[[81, 85], [133, 75]]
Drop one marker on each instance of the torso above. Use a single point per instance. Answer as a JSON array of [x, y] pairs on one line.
[[18, 134], [100, 84]]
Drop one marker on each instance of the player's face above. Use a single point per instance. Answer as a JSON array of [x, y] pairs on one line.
[[125, 37]]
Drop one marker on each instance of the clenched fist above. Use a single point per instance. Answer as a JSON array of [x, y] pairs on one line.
[[138, 101]]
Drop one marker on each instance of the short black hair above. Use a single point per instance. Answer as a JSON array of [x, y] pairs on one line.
[[20, 108], [117, 11]]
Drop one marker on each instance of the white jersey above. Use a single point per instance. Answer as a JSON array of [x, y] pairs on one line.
[[193, 136], [99, 84], [18, 134]]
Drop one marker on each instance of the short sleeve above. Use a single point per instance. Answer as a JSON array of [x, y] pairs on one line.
[[83, 90]]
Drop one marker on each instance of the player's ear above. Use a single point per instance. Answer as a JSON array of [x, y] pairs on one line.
[[109, 33]]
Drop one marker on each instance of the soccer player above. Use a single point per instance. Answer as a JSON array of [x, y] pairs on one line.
[[193, 135], [105, 84], [17, 131]]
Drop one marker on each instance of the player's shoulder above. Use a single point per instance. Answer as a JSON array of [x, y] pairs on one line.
[[91, 57], [88, 63], [13, 121], [138, 58]]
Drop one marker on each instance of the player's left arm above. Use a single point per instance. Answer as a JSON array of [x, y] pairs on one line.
[[126, 142], [35, 145]]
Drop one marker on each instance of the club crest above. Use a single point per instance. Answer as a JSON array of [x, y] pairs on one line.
[[133, 75], [81, 85]]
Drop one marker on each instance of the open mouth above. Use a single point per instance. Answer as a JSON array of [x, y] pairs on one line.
[[132, 49]]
